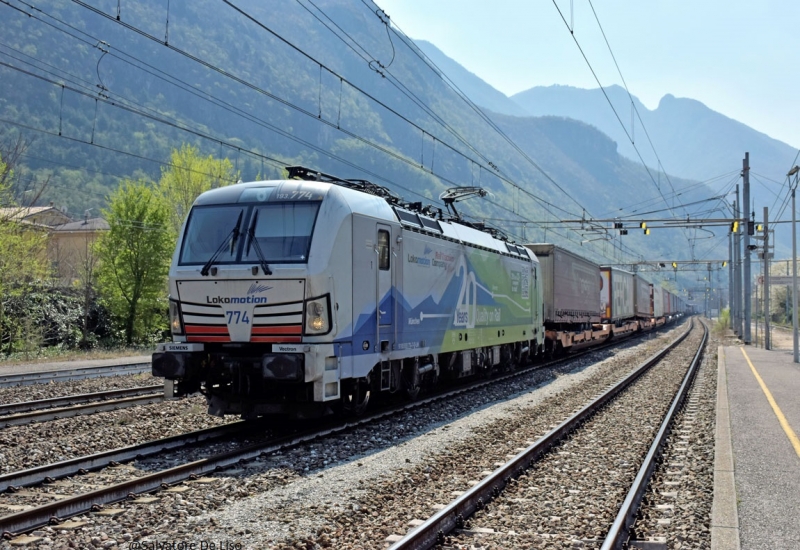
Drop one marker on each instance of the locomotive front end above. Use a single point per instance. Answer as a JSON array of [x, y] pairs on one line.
[[251, 309]]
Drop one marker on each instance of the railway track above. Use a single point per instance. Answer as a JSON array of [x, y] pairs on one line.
[[82, 373], [503, 505], [53, 402], [29, 519], [16, 414]]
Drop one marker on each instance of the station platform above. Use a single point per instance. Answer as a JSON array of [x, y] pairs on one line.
[[757, 454]]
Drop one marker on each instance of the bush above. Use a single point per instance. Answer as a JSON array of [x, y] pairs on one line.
[[43, 316], [723, 322]]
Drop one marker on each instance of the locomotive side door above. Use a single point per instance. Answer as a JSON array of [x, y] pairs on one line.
[[374, 265], [384, 294]]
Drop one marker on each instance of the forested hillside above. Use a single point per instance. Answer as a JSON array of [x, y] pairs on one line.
[[105, 90]]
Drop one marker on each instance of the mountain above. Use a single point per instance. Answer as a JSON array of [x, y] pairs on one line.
[[692, 140], [476, 89], [269, 85]]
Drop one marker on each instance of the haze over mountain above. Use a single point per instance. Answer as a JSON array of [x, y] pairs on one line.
[[479, 91], [691, 140]]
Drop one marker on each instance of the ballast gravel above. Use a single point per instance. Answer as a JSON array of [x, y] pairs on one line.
[[573, 494], [35, 392], [354, 490], [679, 499], [31, 445]]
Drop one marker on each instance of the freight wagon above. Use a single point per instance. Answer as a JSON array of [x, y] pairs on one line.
[[571, 299], [617, 300]]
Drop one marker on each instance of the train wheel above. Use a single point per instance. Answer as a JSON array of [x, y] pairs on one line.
[[356, 397], [412, 390], [411, 379]]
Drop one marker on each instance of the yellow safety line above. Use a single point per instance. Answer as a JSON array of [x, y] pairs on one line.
[[775, 408]]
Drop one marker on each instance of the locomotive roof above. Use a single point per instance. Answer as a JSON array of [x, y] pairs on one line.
[[358, 202], [233, 193]]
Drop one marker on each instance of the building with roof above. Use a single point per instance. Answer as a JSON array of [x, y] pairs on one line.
[[69, 242], [70, 248], [38, 215]]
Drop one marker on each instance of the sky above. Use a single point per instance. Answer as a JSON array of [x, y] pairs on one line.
[[740, 58]]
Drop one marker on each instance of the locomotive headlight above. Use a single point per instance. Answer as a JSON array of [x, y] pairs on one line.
[[317, 317], [175, 324]]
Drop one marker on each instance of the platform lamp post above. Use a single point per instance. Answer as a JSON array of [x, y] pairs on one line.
[[793, 172]]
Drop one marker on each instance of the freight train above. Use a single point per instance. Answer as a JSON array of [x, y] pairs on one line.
[[311, 295]]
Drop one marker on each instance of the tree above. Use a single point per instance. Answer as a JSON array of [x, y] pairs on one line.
[[134, 257], [23, 258], [187, 176]]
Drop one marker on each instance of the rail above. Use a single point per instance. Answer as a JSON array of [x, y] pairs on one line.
[[78, 410], [619, 533], [453, 516], [56, 511], [68, 400]]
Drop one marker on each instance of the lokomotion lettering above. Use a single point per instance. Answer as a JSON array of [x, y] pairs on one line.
[[418, 260], [236, 299]]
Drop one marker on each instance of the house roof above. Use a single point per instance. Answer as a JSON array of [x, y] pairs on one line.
[[91, 224], [24, 213]]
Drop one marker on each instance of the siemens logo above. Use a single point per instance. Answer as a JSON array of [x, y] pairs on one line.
[[236, 300]]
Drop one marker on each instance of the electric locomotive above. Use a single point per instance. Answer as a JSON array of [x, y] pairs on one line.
[[309, 295]]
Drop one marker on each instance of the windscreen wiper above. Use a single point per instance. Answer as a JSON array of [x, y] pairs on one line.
[[252, 240], [233, 236]]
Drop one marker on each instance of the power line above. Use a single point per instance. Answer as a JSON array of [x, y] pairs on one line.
[[296, 107], [205, 136], [605, 94]]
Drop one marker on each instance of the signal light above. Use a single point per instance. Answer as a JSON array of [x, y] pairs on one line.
[[759, 228], [751, 228], [724, 264], [735, 227], [623, 231], [674, 265], [617, 225], [646, 231], [643, 225]]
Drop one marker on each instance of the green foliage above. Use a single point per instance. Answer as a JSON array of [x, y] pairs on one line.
[[134, 260], [42, 316], [188, 175], [23, 258], [723, 321]]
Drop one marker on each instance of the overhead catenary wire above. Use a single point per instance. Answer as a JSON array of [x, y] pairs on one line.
[[412, 47], [333, 72], [633, 208], [288, 103], [280, 163], [481, 114], [172, 123], [605, 94]]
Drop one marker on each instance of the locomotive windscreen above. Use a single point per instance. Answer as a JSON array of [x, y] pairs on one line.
[[282, 231], [206, 231]]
